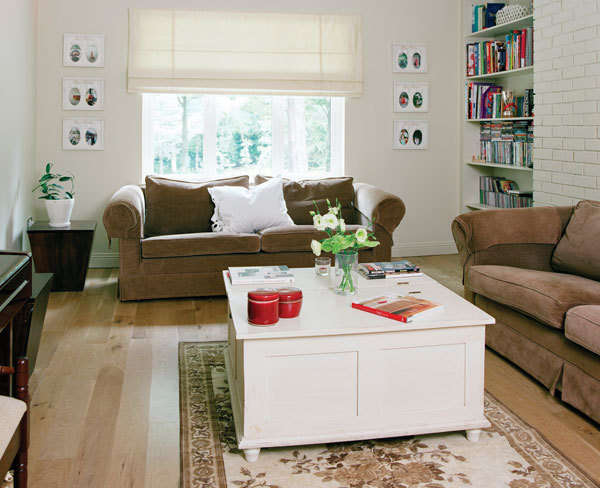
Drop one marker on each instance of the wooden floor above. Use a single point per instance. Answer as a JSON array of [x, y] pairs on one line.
[[105, 387]]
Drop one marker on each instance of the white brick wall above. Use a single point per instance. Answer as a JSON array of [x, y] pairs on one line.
[[566, 83]]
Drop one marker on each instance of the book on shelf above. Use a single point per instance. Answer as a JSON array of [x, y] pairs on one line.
[[389, 269], [515, 51], [507, 142], [260, 275], [498, 191], [398, 307], [484, 101], [483, 16]]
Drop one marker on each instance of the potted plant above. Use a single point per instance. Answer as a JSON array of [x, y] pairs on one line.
[[343, 245], [59, 201]]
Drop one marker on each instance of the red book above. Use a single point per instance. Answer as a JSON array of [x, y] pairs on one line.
[[398, 307]]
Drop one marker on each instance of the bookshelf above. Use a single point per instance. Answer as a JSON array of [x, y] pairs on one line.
[[471, 168]]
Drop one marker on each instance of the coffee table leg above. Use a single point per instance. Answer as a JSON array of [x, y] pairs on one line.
[[251, 455], [473, 434]]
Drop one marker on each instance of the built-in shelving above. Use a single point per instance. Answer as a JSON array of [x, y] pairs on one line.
[[497, 165], [501, 74], [503, 29], [505, 119], [517, 80]]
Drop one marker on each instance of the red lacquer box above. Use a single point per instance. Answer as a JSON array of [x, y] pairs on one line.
[[290, 302], [263, 307]]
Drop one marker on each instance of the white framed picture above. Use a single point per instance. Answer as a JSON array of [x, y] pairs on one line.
[[411, 97], [83, 94], [411, 134], [409, 58], [83, 50], [83, 134]]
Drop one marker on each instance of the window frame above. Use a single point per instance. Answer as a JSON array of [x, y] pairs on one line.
[[209, 162]]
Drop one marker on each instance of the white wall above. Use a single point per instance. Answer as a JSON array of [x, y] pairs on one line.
[[17, 122], [426, 180], [567, 101]]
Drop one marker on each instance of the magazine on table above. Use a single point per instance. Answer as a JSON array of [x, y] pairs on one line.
[[398, 307], [389, 269], [250, 275]]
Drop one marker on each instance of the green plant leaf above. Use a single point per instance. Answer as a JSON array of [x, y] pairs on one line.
[[69, 194], [48, 167], [65, 178]]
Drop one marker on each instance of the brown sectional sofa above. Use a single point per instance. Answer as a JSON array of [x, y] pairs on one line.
[[167, 248], [537, 271]]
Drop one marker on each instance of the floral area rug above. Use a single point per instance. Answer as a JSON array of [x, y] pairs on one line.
[[509, 454]]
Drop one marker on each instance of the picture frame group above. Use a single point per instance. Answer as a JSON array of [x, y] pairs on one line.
[[409, 58], [411, 97], [83, 94], [83, 134], [411, 134], [83, 50]]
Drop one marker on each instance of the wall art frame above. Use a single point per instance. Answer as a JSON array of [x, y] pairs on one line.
[[83, 134], [84, 50], [409, 58], [411, 134], [411, 97], [83, 94]]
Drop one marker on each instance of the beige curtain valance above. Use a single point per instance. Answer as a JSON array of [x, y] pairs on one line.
[[232, 52]]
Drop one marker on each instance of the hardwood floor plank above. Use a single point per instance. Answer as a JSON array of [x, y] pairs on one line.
[[162, 462], [93, 456], [50, 473]]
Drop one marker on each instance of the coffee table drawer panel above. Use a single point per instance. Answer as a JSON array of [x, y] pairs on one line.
[[295, 386]]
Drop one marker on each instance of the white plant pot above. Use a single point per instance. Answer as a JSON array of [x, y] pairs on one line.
[[59, 212]]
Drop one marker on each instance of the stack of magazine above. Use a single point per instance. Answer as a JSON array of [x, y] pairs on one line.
[[387, 269], [260, 275]]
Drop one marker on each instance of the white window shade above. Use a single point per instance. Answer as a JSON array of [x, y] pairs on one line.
[[232, 52]]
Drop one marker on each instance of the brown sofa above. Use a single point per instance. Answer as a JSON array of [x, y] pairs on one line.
[[167, 248], [537, 271]]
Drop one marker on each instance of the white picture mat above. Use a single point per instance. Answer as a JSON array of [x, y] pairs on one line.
[[410, 50], [83, 125], [411, 127], [411, 89], [83, 85], [88, 44]]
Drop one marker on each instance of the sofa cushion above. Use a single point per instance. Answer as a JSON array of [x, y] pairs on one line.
[[578, 251], [200, 244], [543, 295], [582, 326], [181, 207], [300, 195], [290, 238]]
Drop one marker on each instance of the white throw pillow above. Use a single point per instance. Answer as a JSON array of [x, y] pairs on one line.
[[241, 210]]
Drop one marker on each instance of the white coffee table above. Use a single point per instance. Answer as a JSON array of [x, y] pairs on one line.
[[339, 374]]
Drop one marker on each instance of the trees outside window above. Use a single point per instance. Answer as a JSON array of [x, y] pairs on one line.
[[214, 135]]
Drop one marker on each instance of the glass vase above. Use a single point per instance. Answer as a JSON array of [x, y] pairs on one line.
[[346, 274]]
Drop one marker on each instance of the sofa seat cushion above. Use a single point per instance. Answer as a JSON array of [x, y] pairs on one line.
[[582, 326], [290, 238], [543, 295], [200, 244]]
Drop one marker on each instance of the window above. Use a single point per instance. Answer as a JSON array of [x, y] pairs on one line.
[[219, 135]]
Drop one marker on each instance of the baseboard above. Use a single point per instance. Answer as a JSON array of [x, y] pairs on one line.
[[104, 260], [424, 249]]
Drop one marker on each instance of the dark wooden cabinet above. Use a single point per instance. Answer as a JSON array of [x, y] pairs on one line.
[[64, 251]]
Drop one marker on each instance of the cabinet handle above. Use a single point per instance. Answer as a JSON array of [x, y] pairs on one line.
[[13, 295]]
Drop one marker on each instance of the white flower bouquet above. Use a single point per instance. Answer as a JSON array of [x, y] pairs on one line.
[[344, 245]]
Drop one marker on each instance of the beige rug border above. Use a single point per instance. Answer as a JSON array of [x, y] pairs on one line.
[[221, 481]]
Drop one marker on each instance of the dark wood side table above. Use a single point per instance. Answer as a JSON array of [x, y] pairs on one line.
[[64, 251]]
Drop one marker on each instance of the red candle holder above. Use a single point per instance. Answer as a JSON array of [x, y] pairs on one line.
[[290, 302], [263, 307]]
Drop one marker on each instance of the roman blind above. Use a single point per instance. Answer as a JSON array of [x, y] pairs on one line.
[[190, 51]]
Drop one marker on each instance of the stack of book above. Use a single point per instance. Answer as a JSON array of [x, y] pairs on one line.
[[509, 143], [258, 275], [501, 192], [514, 52], [393, 269], [483, 16]]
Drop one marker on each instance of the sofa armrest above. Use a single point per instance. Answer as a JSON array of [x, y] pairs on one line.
[[124, 215], [520, 237], [379, 207]]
